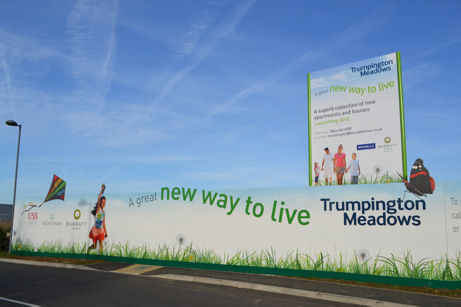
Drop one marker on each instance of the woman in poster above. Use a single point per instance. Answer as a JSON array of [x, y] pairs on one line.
[[99, 232], [339, 161]]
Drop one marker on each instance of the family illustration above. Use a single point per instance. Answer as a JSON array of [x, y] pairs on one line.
[[337, 163], [99, 232]]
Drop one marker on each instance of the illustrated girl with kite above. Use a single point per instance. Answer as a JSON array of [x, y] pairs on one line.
[[99, 232]]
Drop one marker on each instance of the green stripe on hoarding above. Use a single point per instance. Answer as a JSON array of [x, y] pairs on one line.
[[309, 121], [402, 117], [399, 281]]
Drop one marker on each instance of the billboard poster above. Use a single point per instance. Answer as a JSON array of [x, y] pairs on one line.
[[365, 229], [356, 123]]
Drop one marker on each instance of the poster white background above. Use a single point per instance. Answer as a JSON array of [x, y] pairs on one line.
[[362, 116], [204, 226]]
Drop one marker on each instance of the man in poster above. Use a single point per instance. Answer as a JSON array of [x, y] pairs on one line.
[[327, 166]]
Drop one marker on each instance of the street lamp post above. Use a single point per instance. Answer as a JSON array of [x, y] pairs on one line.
[[14, 124]]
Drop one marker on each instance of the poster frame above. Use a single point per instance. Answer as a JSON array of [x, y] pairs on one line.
[[402, 120]]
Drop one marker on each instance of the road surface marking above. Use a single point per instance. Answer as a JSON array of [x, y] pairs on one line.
[[282, 290], [138, 269], [17, 302], [48, 264]]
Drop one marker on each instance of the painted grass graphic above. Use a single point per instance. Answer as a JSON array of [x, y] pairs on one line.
[[371, 179], [405, 266]]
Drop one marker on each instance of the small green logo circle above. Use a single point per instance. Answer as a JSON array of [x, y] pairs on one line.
[[387, 140], [77, 214]]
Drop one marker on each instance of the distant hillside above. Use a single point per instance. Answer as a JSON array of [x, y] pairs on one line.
[[6, 212]]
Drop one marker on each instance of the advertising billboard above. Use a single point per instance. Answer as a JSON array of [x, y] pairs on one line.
[[373, 230], [356, 123]]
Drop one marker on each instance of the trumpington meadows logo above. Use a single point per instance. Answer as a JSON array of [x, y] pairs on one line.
[[378, 212]]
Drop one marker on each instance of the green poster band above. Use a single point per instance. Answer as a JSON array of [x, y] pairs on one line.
[[309, 128], [402, 116], [399, 281]]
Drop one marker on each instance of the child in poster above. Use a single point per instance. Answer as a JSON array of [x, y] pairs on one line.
[[354, 167], [317, 173], [98, 231]]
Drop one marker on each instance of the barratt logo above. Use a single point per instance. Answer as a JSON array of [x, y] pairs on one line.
[[76, 224], [387, 146], [77, 214]]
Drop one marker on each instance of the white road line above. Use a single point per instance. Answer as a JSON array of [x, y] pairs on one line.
[[48, 264], [282, 290], [17, 302]]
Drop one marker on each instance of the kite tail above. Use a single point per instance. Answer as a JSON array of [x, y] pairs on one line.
[[32, 206]]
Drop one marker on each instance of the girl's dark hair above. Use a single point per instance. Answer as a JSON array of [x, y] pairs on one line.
[[95, 208]]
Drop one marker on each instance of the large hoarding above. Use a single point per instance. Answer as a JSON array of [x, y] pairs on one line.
[[365, 229], [357, 107]]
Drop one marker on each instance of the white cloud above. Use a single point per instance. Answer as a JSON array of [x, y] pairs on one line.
[[346, 37], [5, 86], [319, 82], [202, 51], [91, 26], [437, 48], [418, 74], [16, 51], [339, 76], [20, 48], [194, 34]]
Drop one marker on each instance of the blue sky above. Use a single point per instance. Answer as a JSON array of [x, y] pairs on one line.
[[139, 94]]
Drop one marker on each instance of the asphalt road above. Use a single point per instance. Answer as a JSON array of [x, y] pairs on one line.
[[50, 286], [47, 286]]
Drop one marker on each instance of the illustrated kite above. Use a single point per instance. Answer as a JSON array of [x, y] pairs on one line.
[[57, 191]]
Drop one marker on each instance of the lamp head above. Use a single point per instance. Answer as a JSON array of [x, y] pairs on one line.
[[11, 123]]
